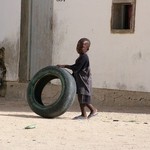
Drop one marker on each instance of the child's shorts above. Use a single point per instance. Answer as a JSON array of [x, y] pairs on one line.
[[84, 99]]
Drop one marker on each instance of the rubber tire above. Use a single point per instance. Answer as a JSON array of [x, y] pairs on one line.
[[37, 84]]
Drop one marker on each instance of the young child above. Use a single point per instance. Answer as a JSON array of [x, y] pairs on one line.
[[82, 75]]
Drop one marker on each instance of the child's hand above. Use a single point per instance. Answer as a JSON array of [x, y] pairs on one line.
[[61, 66]]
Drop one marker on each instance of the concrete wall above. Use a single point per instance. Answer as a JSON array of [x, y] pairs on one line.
[[40, 35], [118, 61], [10, 35]]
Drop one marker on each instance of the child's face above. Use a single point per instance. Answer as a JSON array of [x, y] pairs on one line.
[[83, 47]]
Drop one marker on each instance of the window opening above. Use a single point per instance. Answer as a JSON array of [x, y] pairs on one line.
[[123, 16]]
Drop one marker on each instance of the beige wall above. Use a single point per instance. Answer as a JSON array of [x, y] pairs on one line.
[[118, 61], [10, 35]]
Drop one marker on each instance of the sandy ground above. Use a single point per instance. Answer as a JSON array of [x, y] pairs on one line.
[[106, 131]]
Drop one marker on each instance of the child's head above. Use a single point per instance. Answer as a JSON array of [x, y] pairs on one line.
[[83, 45]]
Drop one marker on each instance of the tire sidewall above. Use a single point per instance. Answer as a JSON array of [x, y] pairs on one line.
[[65, 99]]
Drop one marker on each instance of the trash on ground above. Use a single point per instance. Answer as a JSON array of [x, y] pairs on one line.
[[30, 126]]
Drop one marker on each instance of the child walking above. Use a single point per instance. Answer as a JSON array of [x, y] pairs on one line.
[[82, 75]]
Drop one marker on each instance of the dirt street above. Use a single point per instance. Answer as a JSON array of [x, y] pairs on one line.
[[107, 131]]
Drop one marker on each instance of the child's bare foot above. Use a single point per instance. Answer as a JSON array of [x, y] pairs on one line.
[[92, 114], [79, 117]]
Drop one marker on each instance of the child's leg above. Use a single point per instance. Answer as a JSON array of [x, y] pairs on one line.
[[93, 110], [82, 106], [83, 111]]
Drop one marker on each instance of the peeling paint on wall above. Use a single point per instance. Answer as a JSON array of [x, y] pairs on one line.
[[137, 57], [3, 71], [10, 36], [11, 58]]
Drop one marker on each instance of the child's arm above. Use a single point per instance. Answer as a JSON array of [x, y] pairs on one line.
[[65, 66], [77, 66], [71, 67], [61, 66]]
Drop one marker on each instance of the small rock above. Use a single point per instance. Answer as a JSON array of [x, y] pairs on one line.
[[115, 120]]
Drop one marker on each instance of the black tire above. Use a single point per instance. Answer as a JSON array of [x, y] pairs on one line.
[[37, 84]]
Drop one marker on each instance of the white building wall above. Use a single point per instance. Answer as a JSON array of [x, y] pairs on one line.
[[118, 61], [10, 35]]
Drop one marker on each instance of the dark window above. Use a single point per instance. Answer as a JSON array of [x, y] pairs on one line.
[[123, 17]]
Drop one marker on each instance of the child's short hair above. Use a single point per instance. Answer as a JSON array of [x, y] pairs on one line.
[[83, 40]]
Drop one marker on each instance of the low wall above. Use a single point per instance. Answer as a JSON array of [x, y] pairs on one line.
[[101, 97]]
